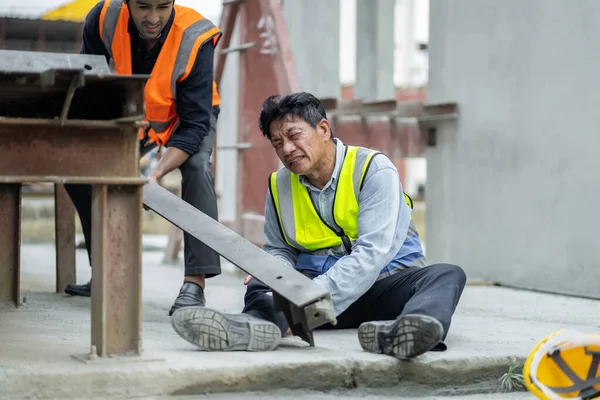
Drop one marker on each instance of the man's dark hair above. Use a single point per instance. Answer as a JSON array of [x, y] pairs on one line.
[[301, 105]]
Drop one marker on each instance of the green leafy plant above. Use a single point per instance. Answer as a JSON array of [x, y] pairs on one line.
[[512, 380]]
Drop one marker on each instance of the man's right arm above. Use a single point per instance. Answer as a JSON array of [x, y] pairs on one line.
[[275, 243], [91, 41]]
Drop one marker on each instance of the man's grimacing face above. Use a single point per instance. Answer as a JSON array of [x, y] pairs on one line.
[[299, 146], [150, 16]]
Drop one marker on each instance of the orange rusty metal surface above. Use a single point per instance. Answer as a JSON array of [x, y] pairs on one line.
[[116, 267], [29, 150], [64, 228], [227, 23], [260, 160], [62, 126], [10, 238]]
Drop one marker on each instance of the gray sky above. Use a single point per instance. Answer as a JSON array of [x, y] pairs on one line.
[[33, 8]]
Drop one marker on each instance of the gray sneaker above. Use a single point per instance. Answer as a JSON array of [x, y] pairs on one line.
[[212, 330], [404, 338]]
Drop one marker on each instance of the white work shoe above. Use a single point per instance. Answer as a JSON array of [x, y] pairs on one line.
[[212, 330], [404, 338]]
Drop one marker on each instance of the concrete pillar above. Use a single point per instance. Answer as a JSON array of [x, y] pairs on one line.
[[313, 30], [374, 50], [227, 134], [405, 37]]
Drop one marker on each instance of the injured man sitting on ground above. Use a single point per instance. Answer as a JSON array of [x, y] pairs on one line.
[[338, 214]]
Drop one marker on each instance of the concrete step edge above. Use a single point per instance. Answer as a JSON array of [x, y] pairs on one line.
[[339, 373]]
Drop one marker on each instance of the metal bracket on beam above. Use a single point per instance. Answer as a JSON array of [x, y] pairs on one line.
[[426, 115], [77, 81], [432, 114], [241, 47], [237, 146], [303, 321]]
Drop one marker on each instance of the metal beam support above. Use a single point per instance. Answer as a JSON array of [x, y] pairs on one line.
[[10, 242], [74, 126], [116, 269], [419, 110], [93, 153], [413, 124], [228, 17], [64, 225]]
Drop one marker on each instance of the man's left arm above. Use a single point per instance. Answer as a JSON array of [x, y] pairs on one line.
[[382, 213], [194, 107]]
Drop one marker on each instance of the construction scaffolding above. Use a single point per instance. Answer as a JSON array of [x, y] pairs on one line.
[[264, 51], [263, 35]]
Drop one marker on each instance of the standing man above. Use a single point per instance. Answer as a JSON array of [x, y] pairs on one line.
[[338, 214], [175, 46]]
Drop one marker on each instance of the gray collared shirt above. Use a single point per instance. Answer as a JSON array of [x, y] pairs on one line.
[[383, 222]]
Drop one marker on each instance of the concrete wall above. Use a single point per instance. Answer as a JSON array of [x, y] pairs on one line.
[[512, 192]]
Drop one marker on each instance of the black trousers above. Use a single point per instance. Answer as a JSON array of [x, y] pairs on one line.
[[197, 188], [433, 291]]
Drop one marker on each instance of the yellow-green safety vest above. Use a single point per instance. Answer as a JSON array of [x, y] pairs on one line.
[[301, 225]]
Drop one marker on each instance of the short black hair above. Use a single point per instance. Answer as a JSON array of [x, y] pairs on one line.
[[302, 105]]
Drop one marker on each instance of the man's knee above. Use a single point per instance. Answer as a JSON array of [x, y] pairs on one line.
[[451, 272], [198, 163], [256, 292]]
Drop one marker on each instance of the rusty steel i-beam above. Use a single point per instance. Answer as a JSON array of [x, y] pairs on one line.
[[65, 119]]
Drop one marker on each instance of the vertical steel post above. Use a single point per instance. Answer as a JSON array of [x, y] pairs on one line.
[[10, 242], [116, 269], [64, 225]]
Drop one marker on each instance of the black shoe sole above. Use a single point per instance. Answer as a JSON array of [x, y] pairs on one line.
[[404, 338], [211, 330], [78, 292]]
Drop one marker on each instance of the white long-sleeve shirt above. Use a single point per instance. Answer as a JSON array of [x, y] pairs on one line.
[[383, 224]]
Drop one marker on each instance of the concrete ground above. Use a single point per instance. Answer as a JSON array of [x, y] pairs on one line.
[[493, 328], [384, 394]]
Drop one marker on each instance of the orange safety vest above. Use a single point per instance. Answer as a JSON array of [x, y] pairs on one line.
[[188, 32]]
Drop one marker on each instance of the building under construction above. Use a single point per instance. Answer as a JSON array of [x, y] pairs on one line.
[[501, 177], [254, 30]]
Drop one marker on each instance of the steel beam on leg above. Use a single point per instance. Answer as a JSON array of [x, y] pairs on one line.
[[10, 241], [64, 223], [303, 321], [307, 304], [116, 269]]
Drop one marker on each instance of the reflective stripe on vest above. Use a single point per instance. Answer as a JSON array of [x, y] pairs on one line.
[[177, 56], [301, 226]]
